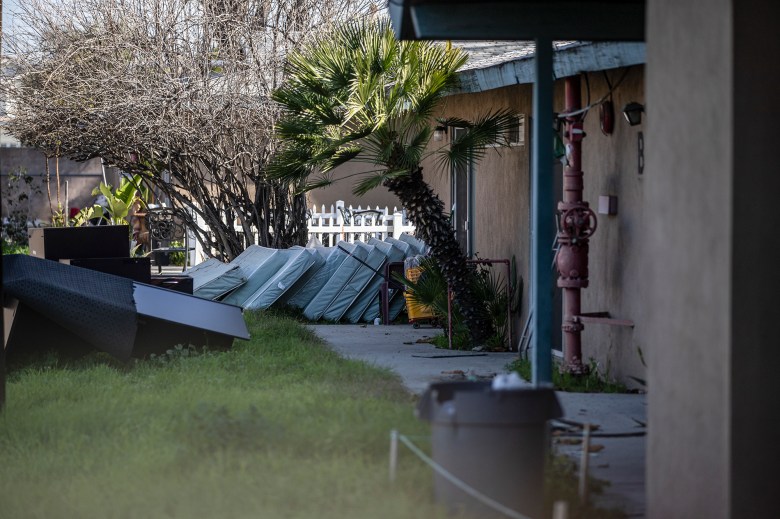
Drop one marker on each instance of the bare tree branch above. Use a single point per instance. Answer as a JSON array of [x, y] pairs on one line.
[[176, 90]]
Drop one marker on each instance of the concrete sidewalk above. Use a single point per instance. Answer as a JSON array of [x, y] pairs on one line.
[[620, 418], [418, 364], [619, 444]]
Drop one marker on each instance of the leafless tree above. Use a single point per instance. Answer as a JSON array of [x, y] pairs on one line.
[[176, 90]]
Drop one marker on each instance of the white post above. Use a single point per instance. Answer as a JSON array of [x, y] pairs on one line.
[[385, 223], [66, 214], [352, 225], [393, 454], [340, 218], [192, 253], [200, 253], [398, 221], [584, 459]]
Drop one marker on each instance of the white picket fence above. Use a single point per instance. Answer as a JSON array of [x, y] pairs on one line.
[[352, 224], [341, 223]]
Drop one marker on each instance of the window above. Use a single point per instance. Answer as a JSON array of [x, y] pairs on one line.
[[462, 202], [516, 134]]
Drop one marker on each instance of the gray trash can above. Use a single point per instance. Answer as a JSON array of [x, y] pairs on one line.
[[494, 441]]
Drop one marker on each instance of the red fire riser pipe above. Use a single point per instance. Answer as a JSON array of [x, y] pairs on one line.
[[576, 223]]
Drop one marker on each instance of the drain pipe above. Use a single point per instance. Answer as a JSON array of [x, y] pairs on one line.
[[576, 223]]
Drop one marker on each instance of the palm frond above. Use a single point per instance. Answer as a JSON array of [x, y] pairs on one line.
[[303, 128], [317, 184], [358, 94], [341, 156], [376, 179], [367, 184], [489, 130], [430, 289], [381, 144], [291, 163], [416, 146]]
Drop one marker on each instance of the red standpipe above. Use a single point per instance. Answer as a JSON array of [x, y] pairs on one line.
[[576, 223]]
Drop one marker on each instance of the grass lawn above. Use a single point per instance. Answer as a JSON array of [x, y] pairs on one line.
[[278, 427]]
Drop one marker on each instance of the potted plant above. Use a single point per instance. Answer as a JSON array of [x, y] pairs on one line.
[[100, 231]]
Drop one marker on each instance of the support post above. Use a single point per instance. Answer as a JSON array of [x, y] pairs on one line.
[[542, 212]]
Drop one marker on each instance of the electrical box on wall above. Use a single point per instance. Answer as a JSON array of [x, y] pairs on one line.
[[608, 204]]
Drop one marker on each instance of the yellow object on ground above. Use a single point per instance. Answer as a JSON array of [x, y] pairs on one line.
[[415, 310]]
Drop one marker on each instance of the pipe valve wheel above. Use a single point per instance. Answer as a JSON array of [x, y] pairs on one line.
[[579, 222]]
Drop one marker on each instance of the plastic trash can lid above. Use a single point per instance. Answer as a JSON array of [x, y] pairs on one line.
[[478, 404]]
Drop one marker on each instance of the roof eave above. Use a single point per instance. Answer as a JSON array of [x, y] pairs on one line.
[[593, 20], [567, 62]]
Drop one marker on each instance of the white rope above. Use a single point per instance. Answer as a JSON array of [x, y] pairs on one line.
[[476, 494]]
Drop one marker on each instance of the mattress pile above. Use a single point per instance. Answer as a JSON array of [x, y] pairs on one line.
[[340, 283]]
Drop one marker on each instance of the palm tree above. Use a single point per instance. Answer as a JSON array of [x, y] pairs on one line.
[[359, 94]]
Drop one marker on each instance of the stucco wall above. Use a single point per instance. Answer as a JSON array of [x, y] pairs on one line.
[[610, 167], [342, 190], [713, 105], [688, 261], [502, 227], [502, 185], [82, 178]]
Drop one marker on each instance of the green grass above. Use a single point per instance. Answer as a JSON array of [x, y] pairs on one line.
[[278, 427], [593, 382]]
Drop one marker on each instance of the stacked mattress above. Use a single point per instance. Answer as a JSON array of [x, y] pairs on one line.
[[338, 283]]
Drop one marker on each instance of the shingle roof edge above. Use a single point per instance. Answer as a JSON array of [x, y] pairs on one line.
[[568, 61]]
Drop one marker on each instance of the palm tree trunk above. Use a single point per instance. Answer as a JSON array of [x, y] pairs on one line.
[[426, 212]]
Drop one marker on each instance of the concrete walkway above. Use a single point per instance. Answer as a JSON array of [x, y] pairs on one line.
[[620, 418], [619, 442], [418, 364]]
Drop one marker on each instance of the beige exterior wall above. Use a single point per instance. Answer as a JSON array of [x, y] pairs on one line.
[[342, 190], [502, 227], [688, 262], [617, 276], [712, 115], [687, 296], [502, 210]]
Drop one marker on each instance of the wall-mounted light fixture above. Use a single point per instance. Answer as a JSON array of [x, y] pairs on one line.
[[633, 113], [439, 133]]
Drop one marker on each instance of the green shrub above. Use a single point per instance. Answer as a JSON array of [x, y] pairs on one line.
[[430, 289], [176, 258], [593, 382], [14, 248], [18, 191]]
